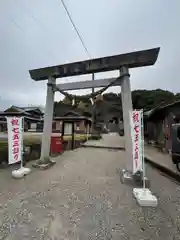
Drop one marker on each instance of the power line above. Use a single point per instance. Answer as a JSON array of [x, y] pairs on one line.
[[70, 18], [17, 25], [38, 23], [23, 31]]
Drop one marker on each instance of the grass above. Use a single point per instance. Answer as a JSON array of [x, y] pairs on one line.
[[36, 139], [76, 137], [80, 137], [34, 142]]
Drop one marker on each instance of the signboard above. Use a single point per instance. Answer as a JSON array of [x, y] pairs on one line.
[[137, 140], [15, 139]]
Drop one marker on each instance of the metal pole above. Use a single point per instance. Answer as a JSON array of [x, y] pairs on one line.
[[143, 161], [22, 141], [93, 80], [87, 132], [93, 107]]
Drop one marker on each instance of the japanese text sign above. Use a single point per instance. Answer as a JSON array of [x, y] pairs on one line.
[[136, 134], [15, 136]]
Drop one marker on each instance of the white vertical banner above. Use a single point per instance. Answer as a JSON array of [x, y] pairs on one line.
[[15, 139], [137, 144], [142, 136]]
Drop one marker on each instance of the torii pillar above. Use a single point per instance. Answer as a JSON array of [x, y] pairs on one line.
[[127, 108], [47, 128]]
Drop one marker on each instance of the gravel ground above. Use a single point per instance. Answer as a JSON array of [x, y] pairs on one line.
[[81, 197]]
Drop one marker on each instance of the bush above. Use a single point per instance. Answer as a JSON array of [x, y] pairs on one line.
[[33, 153], [32, 147], [95, 137]]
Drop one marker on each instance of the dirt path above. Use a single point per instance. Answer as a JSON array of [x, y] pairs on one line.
[[81, 197]]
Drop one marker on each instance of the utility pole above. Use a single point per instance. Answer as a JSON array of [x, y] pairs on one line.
[[93, 107], [92, 84]]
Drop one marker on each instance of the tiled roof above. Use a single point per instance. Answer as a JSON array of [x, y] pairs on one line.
[[159, 109], [28, 108]]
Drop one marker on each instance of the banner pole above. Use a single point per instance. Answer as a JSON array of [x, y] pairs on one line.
[[9, 153], [142, 143], [131, 134], [22, 140], [87, 133]]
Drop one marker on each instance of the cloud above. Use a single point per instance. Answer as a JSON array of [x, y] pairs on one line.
[[38, 33]]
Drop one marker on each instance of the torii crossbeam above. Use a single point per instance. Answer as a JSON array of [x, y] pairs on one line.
[[88, 84]]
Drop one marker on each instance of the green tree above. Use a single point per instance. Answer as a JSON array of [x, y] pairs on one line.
[[148, 99], [82, 106], [111, 102], [66, 100]]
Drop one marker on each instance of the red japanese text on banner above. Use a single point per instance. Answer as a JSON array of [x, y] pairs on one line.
[[136, 134], [15, 135]]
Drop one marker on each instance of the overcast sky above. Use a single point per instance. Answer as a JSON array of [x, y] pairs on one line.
[[38, 33]]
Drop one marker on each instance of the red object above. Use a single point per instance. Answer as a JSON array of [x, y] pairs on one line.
[[56, 144]]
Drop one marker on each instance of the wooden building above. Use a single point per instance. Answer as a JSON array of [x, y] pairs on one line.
[[82, 124], [158, 124], [33, 117]]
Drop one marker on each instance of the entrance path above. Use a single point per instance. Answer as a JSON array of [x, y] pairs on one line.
[[111, 140], [158, 159], [162, 160], [81, 197]]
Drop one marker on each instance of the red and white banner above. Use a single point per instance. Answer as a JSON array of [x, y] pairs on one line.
[[137, 139], [15, 139]]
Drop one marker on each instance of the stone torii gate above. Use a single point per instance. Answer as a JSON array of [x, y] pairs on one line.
[[120, 62]]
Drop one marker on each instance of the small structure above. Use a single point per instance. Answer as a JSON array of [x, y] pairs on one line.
[[81, 124], [33, 117], [70, 124], [158, 124]]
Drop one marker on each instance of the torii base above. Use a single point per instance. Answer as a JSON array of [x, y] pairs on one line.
[[44, 164], [135, 180]]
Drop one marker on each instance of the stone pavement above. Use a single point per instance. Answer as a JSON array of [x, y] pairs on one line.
[[81, 197], [112, 140], [152, 155], [162, 161]]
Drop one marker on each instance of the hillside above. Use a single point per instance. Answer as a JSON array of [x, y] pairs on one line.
[[109, 105]]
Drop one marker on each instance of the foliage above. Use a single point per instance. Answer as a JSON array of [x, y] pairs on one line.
[[66, 100], [11, 110], [34, 142], [149, 99], [95, 137], [82, 106], [111, 104]]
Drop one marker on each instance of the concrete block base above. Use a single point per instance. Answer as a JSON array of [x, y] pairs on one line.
[[21, 172], [43, 165], [144, 197], [128, 178]]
